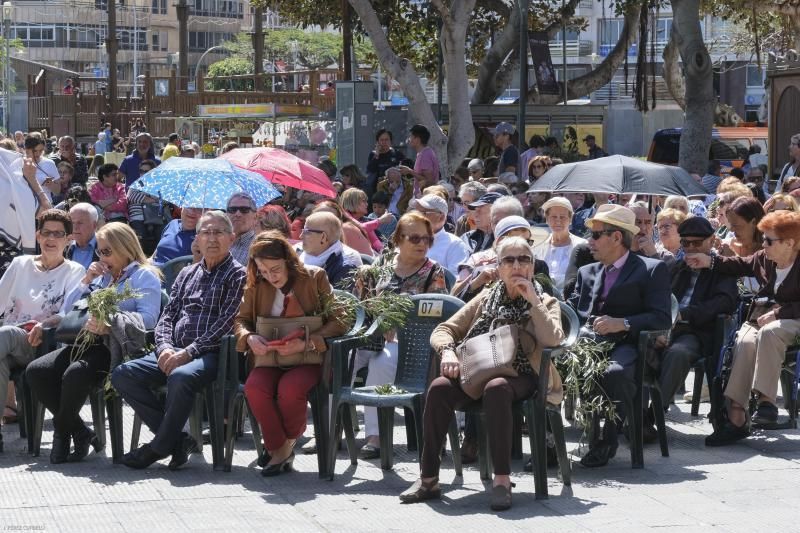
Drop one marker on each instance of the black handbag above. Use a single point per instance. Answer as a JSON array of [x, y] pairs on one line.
[[73, 322], [156, 214]]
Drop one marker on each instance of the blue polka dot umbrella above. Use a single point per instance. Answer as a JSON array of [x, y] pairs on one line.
[[204, 183]]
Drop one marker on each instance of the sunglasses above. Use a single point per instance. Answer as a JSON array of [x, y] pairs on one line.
[[694, 243], [239, 209], [306, 231], [595, 235], [46, 233], [523, 260], [105, 252], [416, 239], [769, 241]]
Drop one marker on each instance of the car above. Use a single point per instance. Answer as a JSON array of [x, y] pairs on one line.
[[731, 146]]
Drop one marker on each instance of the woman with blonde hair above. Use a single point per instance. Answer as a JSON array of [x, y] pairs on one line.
[[781, 201], [63, 379], [667, 223], [360, 235]]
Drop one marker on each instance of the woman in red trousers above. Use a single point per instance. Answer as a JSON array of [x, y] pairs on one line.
[[279, 285]]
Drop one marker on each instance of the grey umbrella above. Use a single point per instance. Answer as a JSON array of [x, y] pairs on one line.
[[618, 174]]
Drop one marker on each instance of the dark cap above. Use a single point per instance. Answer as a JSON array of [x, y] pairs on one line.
[[487, 198], [590, 136], [695, 227]]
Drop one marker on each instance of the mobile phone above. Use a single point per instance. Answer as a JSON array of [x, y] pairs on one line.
[[27, 326]]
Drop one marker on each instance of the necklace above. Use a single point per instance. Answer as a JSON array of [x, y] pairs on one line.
[[45, 267]]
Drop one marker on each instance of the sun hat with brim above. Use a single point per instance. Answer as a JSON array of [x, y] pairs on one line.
[[614, 215], [558, 201], [509, 224], [430, 202]]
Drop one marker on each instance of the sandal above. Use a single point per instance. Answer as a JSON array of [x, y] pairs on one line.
[[501, 498], [369, 451], [11, 419], [421, 491]]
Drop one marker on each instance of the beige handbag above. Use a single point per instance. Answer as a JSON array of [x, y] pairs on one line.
[[486, 357], [276, 328]]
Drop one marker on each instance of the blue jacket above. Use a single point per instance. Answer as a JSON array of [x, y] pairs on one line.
[[130, 165]]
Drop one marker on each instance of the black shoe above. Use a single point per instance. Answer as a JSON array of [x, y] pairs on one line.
[[728, 434], [552, 459], [141, 457], [82, 439], [278, 468], [59, 453], [649, 433], [599, 455], [766, 414], [180, 456], [368, 451]]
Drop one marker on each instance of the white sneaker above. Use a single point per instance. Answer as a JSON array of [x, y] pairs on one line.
[[705, 395]]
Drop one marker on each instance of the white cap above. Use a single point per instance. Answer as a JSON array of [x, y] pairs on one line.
[[430, 202]]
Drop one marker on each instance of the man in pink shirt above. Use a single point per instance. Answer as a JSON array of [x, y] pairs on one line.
[[426, 166]]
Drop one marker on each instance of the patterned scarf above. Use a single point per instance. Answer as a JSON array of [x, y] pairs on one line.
[[498, 306]]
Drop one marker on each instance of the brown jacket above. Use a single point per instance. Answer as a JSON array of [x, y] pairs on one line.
[[764, 270], [311, 288], [544, 325], [405, 198]]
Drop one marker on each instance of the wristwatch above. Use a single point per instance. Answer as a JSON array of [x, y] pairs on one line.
[[627, 324]]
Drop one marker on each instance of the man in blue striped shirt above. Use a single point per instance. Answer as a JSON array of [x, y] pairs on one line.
[[204, 301]]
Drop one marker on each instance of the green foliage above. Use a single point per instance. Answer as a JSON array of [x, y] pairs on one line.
[[231, 66], [388, 390], [581, 369], [103, 304]]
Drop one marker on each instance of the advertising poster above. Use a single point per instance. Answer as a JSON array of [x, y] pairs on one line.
[[542, 63]]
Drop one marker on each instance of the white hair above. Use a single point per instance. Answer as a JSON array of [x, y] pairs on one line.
[[101, 136], [216, 214], [513, 242], [84, 207], [508, 205]]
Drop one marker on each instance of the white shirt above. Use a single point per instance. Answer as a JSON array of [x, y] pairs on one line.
[[780, 276], [29, 293], [448, 250], [396, 195], [557, 257]]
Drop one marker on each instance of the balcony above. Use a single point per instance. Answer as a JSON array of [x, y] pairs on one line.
[[575, 48]]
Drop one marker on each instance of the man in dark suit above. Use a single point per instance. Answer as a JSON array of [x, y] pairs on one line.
[[702, 295], [624, 293]]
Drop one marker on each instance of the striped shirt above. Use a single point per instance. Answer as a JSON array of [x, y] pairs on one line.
[[201, 308]]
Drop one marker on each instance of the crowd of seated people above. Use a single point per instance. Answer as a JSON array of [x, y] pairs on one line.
[[508, 255]]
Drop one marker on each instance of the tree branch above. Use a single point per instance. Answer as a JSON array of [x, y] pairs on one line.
[[673, 76], [487, 88], [599, 77]]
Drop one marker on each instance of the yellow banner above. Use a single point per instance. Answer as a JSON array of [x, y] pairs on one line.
[[244, 110]]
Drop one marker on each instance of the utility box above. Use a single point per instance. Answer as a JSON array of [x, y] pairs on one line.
[[355, 137]]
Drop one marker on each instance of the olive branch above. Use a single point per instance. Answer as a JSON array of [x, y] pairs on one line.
[[582, 368], [102, 304]]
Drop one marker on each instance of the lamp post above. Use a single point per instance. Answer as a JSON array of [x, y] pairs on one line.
[[200, 62], [8, 14]]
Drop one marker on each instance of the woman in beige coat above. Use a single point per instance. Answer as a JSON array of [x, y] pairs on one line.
[[514, 299]]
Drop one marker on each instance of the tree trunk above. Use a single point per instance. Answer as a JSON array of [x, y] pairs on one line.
[[453, 38], [604, 73], [673, 76], [700, 100]]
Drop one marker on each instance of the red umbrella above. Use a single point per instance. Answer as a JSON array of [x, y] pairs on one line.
[[282, 168]]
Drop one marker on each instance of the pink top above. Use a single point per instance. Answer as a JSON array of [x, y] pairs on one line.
[[369, 227], [99, 192], [427, 160]]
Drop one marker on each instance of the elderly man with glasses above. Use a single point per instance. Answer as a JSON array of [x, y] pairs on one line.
[[323, 247], [241, 210], [204, 302], [702, 294], [447, 249], [618, 296], [66, 153]]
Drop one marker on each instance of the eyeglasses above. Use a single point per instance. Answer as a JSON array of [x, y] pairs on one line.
[[769, 241], [306, 231], [693, 243], [145, 170], [56, 234], [105, 252], [416, 239], [595, 235], [210, 232], [241, 209], [665, 227], [523, 260]]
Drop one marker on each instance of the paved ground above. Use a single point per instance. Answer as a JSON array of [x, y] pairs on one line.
[[749, 487]]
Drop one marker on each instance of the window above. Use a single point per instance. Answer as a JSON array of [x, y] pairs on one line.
[[572, 35], [35, 35], [755, 77], [159, 7], [218, 8], [610, 31], [663, 30], [200, 41]]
